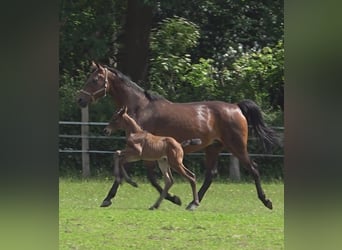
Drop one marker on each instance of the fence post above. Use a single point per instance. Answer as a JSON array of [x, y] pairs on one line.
[[85, 142], [234, 168]]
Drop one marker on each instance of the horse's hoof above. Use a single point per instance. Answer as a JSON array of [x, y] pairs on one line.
[[152, 208], [106, 203], [192, 206], [176, 200], [268, 204]]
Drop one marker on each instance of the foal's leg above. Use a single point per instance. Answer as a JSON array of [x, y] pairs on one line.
[[190, 176], [150, 167], [211, 156], [165, 169], [126, 177], [119, 166]]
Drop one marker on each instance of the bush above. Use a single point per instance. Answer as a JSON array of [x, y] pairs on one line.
[[256, 75]]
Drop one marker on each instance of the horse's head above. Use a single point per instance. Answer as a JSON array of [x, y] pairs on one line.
[[96, 86], [116, 122]]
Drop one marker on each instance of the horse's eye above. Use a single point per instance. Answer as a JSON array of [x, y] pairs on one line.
[[96, 78]]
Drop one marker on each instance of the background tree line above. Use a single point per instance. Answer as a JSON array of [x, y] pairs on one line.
[[184, 50]]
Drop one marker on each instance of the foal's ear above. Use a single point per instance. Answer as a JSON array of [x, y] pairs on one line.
[[122, 110], [96, 65]]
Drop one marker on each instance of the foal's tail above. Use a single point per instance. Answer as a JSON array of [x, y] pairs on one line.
[[254, 118], [196, 141]]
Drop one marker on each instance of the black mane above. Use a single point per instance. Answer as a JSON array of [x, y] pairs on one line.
[[151, 96]]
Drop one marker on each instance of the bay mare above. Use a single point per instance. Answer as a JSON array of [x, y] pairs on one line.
[[219, 125]]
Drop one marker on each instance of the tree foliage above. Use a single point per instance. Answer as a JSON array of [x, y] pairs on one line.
[[232, 23], [88, 31], [257, 74]]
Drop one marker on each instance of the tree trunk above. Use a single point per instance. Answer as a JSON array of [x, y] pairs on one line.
[[134, 54]]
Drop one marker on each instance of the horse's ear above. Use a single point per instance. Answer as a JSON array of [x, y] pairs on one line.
[[93, 66], [125, 108]]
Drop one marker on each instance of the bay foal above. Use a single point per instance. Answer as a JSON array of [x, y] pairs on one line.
[[141, 145]]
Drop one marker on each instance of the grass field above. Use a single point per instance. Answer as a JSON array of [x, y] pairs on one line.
[[229, 217]]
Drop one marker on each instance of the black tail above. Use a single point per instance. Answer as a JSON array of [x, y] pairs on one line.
[[196, 141], [254, 118]]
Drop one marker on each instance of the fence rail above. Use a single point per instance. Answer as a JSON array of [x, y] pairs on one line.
[[78, 136], [85, 136]]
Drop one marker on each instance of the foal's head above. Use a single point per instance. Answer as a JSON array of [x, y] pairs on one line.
[[116, 122]]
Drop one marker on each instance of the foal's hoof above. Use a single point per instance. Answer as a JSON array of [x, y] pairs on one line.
[[192, 206], [133, 184], [106, 203], [268, 204], [214, 172]]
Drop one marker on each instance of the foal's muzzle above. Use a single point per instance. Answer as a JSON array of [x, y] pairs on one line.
[[82, 102]]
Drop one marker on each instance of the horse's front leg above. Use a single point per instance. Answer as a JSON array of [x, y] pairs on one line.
[[111, 194], [151, 175], [118, 157], [117, 171]]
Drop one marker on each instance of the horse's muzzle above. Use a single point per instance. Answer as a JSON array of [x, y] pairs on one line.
[[107, 131]]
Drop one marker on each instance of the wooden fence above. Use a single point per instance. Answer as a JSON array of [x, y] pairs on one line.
[[234, 168]]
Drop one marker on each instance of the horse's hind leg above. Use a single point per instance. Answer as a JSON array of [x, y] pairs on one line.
[[252, 167], [150, 166], [255, 173], [211, 156], [168, 179], [240, 151]]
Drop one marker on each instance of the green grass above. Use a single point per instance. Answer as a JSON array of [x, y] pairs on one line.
[[229, 217]]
